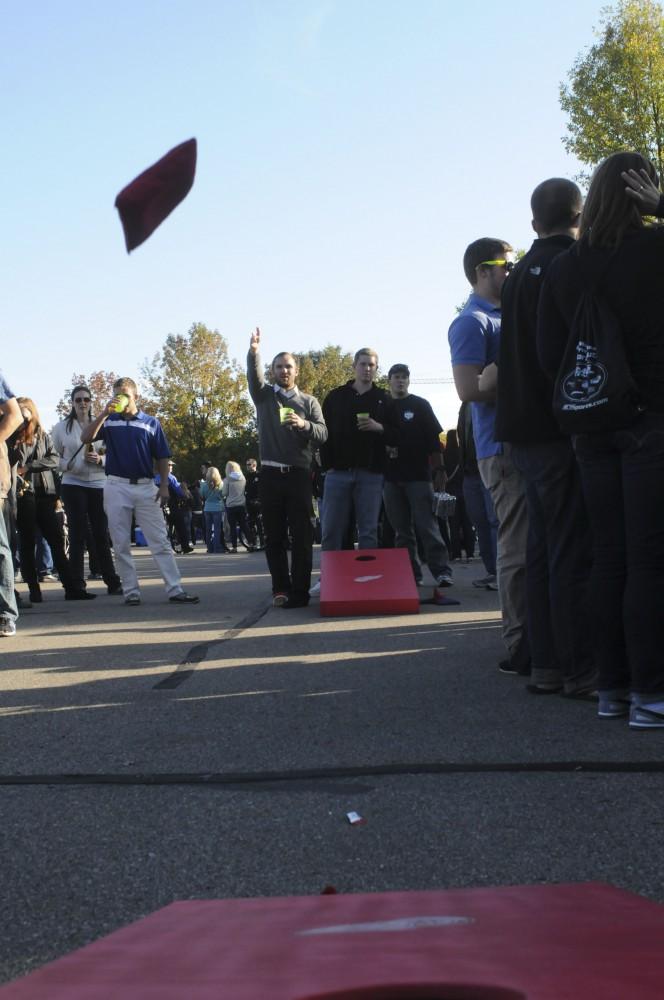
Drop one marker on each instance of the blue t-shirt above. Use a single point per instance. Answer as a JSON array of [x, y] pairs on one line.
[[474, 339], [133, 445], [5, 391]]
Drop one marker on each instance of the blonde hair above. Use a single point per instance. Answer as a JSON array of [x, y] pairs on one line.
[[212, 477], [232, 467], [370, 353]]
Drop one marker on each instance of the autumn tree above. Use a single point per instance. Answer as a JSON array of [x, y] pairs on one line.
[[614, 97], [100, 385], [199, 394], [324, 370]]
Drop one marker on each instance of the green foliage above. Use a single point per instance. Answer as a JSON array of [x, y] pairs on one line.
[[615, 96], [200, 396], [322, 371]]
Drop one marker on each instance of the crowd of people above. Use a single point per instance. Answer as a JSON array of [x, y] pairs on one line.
[[567, 518], [64, 492]]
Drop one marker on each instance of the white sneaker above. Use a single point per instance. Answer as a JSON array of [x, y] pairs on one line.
[[315, 590]]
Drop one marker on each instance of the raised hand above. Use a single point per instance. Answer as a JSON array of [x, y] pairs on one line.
[[254, 342]]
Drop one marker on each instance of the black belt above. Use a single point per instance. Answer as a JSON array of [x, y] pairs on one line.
[[282, 468]]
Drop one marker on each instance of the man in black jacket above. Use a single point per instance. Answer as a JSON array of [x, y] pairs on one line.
[[558, 556], [354, 455]]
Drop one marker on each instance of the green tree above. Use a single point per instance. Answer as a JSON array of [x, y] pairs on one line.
[[614, 98], [324, 370], [200, 396]]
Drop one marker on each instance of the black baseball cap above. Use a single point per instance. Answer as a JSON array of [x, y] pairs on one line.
[[400, 370]]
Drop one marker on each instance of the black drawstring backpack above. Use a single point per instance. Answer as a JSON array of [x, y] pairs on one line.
[[594, 390]]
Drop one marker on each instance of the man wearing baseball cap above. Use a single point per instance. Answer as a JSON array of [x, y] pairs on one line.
[[408, 490]]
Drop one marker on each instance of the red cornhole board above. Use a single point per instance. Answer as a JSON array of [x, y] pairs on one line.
[[553, 942], [367, 582]]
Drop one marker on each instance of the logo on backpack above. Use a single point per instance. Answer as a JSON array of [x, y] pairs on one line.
[[586, 380]]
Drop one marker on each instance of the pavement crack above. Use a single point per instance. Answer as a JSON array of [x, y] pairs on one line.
[[289, 778], [198, 653]]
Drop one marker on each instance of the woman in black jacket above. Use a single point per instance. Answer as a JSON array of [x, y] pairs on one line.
[[622, 471], [31, 451]]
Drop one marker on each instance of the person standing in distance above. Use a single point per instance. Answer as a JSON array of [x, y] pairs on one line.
[[290, 428], [135, 444], [354, 457], [408, 491]]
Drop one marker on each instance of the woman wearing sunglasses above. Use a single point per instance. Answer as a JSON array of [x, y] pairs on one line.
[[82, 491]]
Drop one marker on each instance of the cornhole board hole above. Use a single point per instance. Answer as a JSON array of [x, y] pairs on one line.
[[553, 942], [367, 582]]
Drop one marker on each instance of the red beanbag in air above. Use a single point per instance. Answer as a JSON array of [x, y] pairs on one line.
[[149, 198]]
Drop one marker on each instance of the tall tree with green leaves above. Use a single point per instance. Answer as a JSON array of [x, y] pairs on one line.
[[614, 97], [324, 370], [198, 392]]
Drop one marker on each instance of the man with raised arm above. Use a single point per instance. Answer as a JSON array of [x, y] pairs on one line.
[[135, 445], [290, 428]]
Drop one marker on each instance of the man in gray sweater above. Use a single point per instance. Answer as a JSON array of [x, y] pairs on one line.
[[290, 428]]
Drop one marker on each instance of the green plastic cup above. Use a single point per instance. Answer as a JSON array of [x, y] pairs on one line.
[[285, 411]]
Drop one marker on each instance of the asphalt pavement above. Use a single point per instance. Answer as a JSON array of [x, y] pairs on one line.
[[160, 753]]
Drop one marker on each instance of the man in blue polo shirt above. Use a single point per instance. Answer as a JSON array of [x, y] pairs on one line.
[[135, 444], [474, 339]]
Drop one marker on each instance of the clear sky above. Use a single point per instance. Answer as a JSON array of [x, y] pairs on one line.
[[348, 151]]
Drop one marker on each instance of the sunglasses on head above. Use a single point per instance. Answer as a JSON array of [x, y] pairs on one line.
[[507, 264], [82, 399]]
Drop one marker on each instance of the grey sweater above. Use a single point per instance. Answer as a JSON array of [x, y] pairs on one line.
[[277, 443]]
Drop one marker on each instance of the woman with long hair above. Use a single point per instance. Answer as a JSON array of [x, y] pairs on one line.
[[213, 510], [32, 452], [621, 255], [233, 492], [82, 492]]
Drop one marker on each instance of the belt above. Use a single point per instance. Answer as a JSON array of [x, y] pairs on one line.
[[132, 482], [278, 467]]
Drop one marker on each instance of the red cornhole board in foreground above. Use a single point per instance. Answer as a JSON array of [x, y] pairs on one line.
[[367, 582], [553, 942]]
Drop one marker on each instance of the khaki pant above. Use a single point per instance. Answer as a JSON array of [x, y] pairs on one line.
[[507, 491]]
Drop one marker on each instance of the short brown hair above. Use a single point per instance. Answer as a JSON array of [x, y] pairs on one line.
[[369, 351], [126, 383], [556, 203], [480, 250]]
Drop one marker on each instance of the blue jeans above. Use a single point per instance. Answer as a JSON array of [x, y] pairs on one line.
[[482, 515], [622, 474], [7, 597], [409, 508], [213, 530], [347, 491]]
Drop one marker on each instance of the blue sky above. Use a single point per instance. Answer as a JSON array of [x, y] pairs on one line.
[[349, 150]]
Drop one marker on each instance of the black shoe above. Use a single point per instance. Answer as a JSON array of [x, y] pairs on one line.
[[36, 595], [79, 595], [540, 689], [296, 602], [507, 667], [184, 598], [115, 591]]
